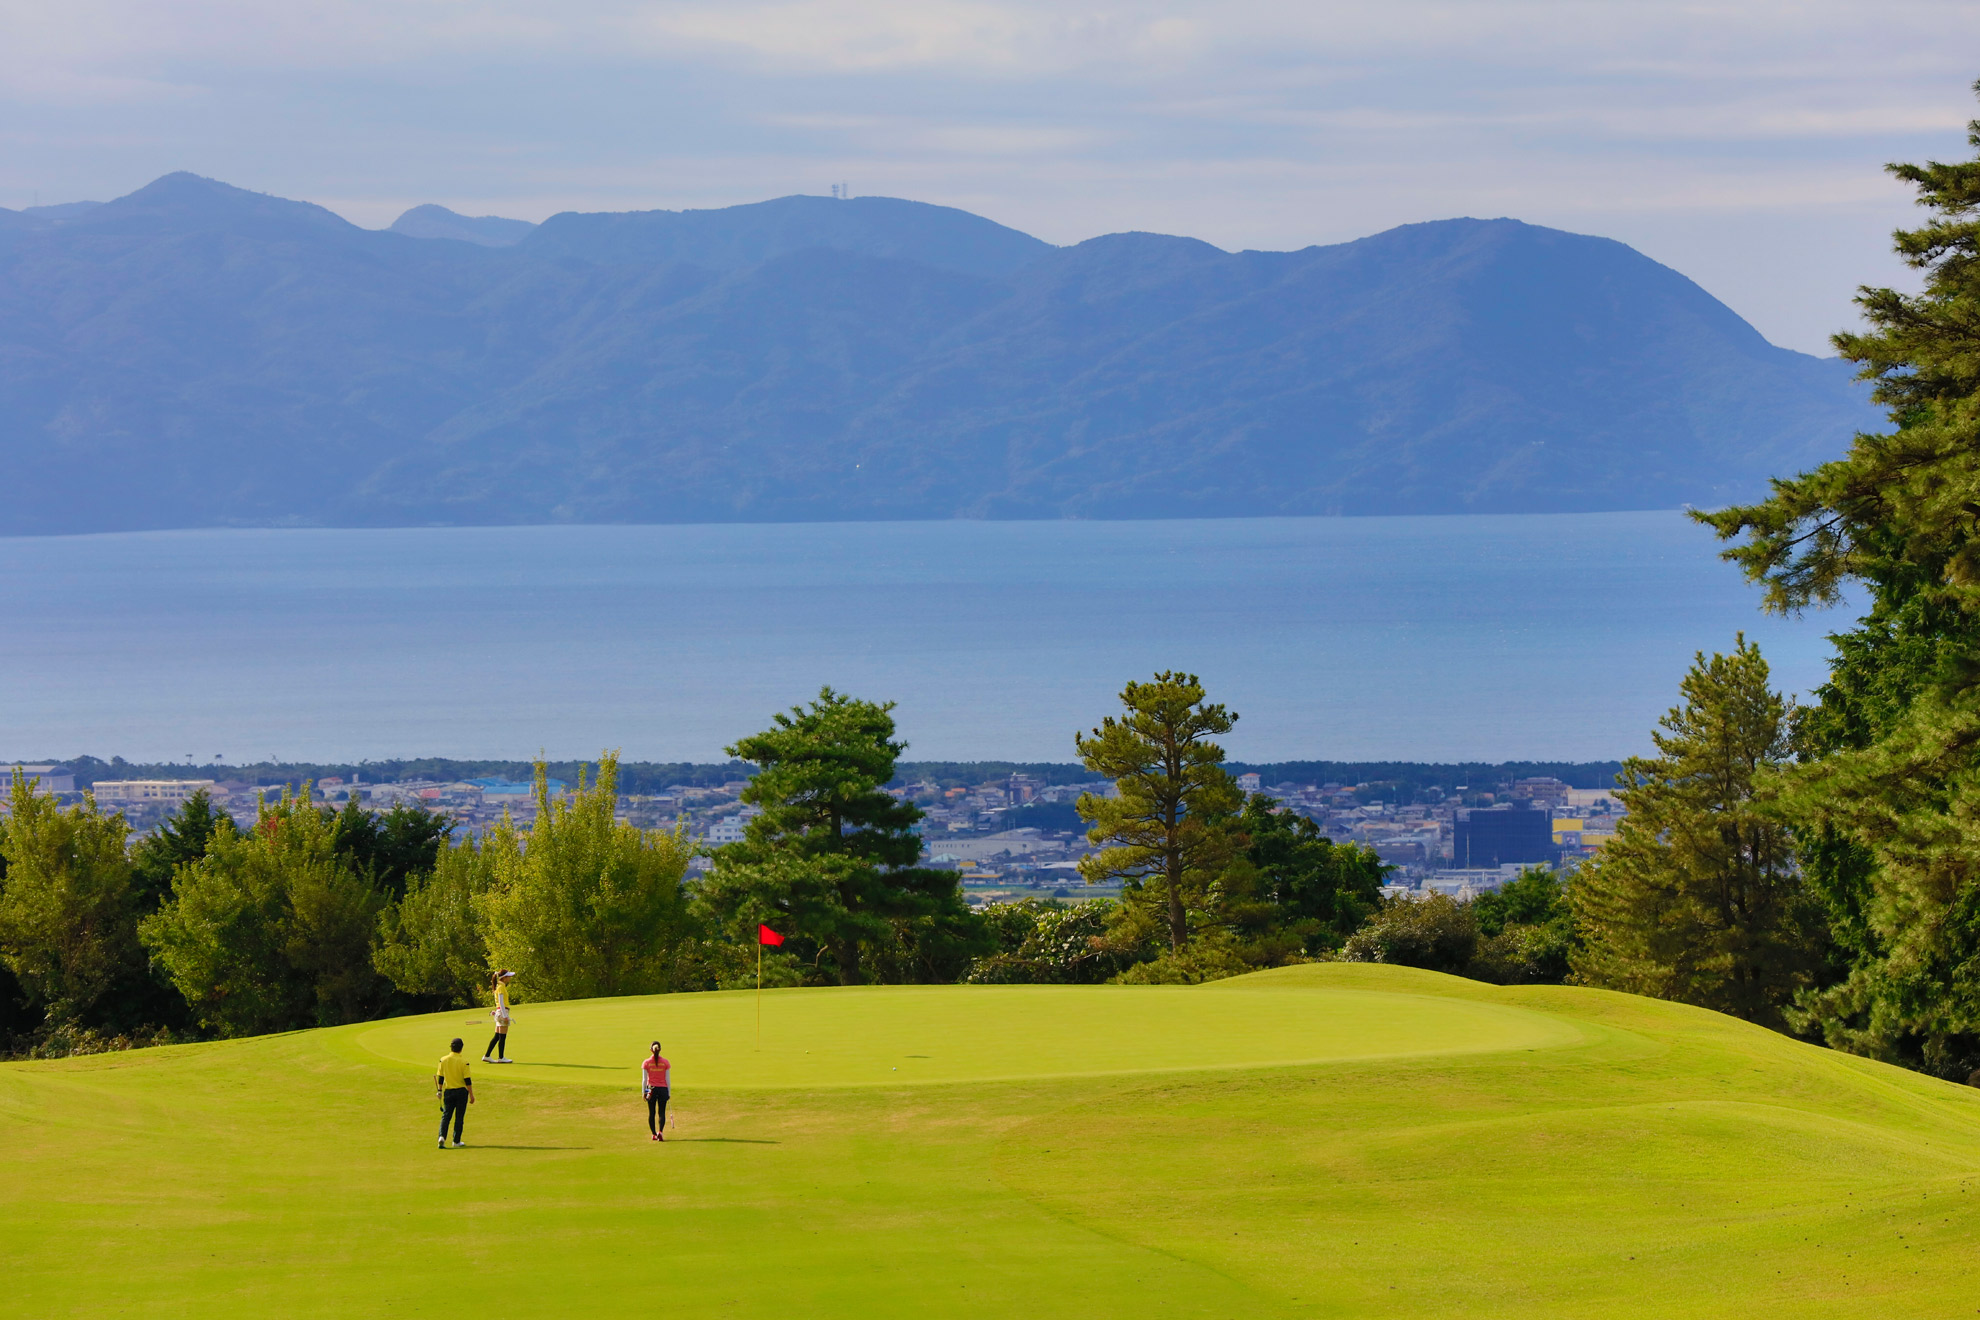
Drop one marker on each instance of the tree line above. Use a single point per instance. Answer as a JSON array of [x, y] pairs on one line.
[[313, 916]]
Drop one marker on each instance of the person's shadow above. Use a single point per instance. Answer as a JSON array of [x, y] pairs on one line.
[[599, 1067]]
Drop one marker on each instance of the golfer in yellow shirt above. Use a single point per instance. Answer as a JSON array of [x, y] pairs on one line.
[[456, 1091]]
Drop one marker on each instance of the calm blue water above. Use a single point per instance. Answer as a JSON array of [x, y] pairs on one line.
[[1493, 638]]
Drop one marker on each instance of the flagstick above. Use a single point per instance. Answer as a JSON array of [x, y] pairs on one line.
[[759, 992]]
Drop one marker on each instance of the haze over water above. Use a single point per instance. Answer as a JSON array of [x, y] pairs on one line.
[[1489, 638]]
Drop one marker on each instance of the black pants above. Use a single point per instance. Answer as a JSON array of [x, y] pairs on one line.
[[656, 1109], [453, 1104]]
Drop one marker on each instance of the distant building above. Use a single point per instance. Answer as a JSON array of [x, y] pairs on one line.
[[47, 778], [172, 792], [513, 787], [1499, 837], [1406, 850], [1464, 884], [1548, 790], [1251, 783], [730, 829]]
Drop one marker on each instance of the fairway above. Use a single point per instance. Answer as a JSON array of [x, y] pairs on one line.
[[1333, 1140]]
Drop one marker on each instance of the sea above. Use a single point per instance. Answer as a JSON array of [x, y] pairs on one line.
[[1531, 637]]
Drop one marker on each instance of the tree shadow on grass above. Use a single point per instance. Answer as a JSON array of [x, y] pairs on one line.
[[484, 1145], [726, 1141]]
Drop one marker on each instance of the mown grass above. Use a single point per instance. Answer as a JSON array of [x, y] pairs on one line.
[[1321, 1141]]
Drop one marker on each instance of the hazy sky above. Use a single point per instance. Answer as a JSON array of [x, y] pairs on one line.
[[1741, 143]]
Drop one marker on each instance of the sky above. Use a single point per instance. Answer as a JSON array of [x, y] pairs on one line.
[[1741, 143]]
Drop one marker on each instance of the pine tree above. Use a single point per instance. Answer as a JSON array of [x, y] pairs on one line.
[[1888, 804], [831, 861], [1698, 898], [1169, 832]]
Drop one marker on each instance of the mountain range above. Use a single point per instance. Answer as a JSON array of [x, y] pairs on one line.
[[198, 355]]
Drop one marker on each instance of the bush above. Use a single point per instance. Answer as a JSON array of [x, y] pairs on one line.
[[1208, 957], [1527, 930], [933, 949], [1523, 955], [1437, 933], [74, 1042], [1044, 942]]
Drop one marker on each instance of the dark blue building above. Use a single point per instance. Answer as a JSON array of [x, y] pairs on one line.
[[1494, 838]]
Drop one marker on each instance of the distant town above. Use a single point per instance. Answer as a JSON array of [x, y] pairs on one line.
[[1012, 835]]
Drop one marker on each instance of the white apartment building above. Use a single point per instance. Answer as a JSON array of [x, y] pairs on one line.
[[170, 791], [730, 828]]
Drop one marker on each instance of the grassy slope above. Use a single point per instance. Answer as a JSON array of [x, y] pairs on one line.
[[1354, 1141]]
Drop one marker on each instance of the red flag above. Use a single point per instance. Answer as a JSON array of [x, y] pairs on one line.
[[764, 935]]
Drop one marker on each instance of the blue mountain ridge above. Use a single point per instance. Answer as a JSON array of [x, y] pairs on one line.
[[197, 355]]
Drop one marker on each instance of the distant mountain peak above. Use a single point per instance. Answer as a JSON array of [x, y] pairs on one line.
[[183, 200], [737, 237], [433, 221]]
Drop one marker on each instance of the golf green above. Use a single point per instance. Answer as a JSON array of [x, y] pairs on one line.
[[946, 1033], [1319, 1141]]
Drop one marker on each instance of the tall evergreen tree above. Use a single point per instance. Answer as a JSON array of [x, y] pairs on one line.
[[1888, 804], [1169, 831], [1698, 898], [831, 861]]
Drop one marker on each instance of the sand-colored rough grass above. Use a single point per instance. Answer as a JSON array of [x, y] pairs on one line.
[[1321, 1141]]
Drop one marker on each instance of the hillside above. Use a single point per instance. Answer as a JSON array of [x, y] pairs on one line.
[[197, 355], [1326, 1140]]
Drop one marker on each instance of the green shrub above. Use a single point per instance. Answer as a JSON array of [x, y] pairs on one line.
[[1209, 957], [1436, 932], [1523, 955], [1044, 942]]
